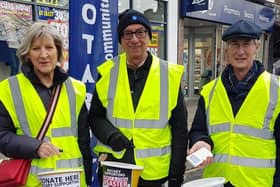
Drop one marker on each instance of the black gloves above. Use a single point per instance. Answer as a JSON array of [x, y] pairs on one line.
[[118, 142], [174, 182]]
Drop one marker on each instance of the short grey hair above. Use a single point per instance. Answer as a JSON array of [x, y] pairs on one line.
[[38, 30]]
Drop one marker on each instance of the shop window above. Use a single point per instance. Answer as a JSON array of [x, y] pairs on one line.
[[123, 5], [155, 11]]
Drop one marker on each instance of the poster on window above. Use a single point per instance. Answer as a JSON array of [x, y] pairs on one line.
[[48, 2], [59, 19], [15, 18], [153, 44]]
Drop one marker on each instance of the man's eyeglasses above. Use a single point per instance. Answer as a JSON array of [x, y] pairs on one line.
[[140, 34], [244, 44]]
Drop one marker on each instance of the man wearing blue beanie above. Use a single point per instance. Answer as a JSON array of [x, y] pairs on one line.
[[137, 111], [238, 115]]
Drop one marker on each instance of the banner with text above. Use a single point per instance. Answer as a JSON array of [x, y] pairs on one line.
[[92, 40]]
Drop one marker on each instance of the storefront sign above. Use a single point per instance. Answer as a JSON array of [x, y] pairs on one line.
[[48, 2], [195, 5], [228, 12]]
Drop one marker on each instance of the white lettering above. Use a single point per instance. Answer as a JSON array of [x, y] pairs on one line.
[[107, 30], [85, 9], [88, 101], [231, 11], [248, 15], [87, 76], [263, 18], [197, 2], [89, 39]]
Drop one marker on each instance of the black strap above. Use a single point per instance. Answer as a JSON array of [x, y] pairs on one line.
[[50, 112]]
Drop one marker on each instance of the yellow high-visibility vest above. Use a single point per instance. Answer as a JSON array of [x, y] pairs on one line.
[[244, 145], [148, 124], [27, 112]]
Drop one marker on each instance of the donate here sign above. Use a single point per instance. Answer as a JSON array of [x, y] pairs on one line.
[[92, 38]]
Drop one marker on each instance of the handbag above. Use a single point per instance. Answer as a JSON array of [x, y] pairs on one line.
[[14, 172]]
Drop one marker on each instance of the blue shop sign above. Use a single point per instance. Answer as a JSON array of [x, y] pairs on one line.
[[229, 11], [45, 13], [195, 5]]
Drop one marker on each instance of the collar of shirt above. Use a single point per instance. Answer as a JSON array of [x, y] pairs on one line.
[[147, 64]]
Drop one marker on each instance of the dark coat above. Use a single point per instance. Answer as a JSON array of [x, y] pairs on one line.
[[236, 96], [103, 129], [16, 146]]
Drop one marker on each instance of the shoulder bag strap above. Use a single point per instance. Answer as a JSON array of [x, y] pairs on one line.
[[50, 112]]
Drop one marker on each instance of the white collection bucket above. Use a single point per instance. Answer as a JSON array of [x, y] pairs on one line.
[[61, 178], [120, 174], [206, 182]]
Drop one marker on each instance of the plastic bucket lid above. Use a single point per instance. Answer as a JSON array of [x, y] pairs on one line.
[[206, 182], [120, 174], [61, 178], [121, 165]]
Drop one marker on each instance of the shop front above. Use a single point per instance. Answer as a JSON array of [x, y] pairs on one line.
[[17, 16], [204, 23]]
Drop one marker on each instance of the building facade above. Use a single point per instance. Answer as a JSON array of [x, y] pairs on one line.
[[180, 33]]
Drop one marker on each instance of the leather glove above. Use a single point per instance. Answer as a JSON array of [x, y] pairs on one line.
[[118, 142], [174, 182]]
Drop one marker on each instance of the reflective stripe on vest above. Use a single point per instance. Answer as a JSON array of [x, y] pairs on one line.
[[148, 119], [251, 162], [263, 133], [153, 152], [121, 123], [145, 153], [17, 98], [140, 123], [57, 132], [60, 164], [21, 113]]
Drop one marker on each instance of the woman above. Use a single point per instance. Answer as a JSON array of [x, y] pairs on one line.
[[40, 53]]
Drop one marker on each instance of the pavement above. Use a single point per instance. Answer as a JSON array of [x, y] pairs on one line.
[[191, 173]]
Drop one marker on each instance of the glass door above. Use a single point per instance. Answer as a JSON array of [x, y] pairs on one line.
[[199, 58]]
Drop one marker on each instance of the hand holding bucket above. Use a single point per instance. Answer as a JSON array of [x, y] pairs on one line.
[[120, 174]]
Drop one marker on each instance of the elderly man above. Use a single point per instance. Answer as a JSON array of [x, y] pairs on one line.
[[138, 112], [238, 115]]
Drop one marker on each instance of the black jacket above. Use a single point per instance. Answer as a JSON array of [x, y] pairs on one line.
[[236, 96], [16, 146], [103, 129]]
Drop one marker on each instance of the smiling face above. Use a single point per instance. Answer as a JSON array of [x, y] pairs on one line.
[[241, 53], [43, 55], [135, 46]]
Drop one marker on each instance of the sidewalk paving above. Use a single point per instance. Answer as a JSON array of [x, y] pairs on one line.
[[191, 173]]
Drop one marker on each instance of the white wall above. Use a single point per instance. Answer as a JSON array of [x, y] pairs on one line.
[[172, 30]]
